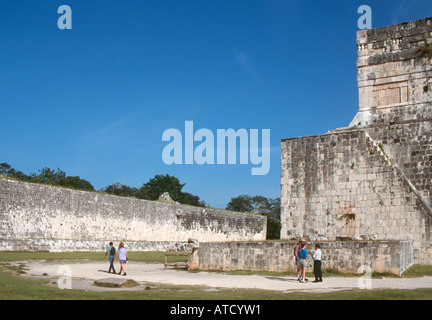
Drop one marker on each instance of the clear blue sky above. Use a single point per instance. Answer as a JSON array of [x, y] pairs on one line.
[[95, 100]]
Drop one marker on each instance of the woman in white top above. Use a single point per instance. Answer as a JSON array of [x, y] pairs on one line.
[[122, 257]]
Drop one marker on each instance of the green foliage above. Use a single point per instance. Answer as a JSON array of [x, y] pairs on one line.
[[7, 171], [264, 206], [47, 176], [348, 217], [77, 183], [425, 51], [149, 191], [119, 189], [163, 183], [154, 188], [241, 203]]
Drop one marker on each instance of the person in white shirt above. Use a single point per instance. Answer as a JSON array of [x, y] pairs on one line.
[[316, 256], [122, 257]]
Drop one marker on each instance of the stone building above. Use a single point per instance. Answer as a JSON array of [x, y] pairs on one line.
[[373, 179]]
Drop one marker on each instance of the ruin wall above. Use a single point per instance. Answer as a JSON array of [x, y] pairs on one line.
[[40, 217], [373, 179], [277, 256]]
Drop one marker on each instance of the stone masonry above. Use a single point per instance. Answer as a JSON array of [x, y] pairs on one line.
[[373, 179], [39, 217], [277, 256]]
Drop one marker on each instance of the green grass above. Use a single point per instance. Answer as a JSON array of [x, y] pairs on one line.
[[147, 256], [15, 286], [418, 271], [19, 288]]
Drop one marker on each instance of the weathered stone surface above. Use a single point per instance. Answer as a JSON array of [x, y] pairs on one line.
[[372, 180], [165, 197], [36, 216], [394, 80], [346, 256]]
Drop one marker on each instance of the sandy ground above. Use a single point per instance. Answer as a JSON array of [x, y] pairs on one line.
[[84, 273]]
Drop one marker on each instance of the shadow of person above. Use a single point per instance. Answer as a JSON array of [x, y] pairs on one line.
[[283, 279]]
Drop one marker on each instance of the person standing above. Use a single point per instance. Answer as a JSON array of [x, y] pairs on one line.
[[316, 256], [122, 257], [296, 251], [111, 252], [302, 257]]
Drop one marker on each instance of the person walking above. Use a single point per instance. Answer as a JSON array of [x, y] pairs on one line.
[[302, 257], [111, 253], [122, 257], [316, 256]]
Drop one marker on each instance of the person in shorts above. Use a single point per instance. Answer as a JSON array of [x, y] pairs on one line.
[[302, 257], [296, 250], [122, 257]]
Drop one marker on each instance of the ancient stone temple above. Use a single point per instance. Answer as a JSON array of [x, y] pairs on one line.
[[373, 179]]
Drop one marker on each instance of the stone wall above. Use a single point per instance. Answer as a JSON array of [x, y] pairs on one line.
[[62, 219], [394, 81], [372, 180], [339, 185], [67, 245], [346, 256]]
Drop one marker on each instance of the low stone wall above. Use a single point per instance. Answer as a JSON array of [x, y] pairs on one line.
[[345, 256]]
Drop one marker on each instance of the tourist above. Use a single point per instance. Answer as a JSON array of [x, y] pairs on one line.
[[316, 256], [302, 257], [111, 251], [296, 250], [122, 257]]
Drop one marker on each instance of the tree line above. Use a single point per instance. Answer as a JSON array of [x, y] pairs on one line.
[[151, 190], [267, 207]]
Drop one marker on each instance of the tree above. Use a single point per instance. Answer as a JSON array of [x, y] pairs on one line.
[[241, 203], [160, 184], [166, 183], [6, 170], [150, 190], [267, 207], [77, 183], [49, 176], [188, 198], [119, 189]]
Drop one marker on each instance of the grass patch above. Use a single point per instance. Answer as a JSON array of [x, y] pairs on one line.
[[418, 270], [142, 256], [13, 287]]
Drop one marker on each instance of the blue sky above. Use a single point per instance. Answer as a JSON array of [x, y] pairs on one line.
[[94, 101]]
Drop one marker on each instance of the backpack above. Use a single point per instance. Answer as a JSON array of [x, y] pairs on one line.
[[112, 251]]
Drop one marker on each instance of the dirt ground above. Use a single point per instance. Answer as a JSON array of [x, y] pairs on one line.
[[84, 273]]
